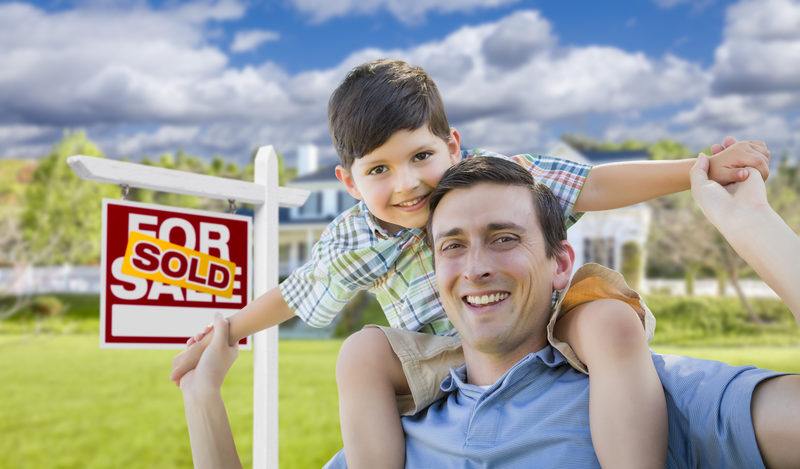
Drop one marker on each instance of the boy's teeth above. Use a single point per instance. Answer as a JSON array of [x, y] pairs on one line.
[[486, 299], [410, 202]]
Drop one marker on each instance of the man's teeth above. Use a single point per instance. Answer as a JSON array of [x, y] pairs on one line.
[[487, 299], [410, 202]]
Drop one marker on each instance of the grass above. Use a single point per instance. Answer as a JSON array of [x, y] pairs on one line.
[[67, 403]]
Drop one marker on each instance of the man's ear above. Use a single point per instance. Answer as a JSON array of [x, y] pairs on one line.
[[454, 146], [346, 178], [565, 259]]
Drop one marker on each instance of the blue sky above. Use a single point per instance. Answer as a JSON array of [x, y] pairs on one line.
[[222, 77]]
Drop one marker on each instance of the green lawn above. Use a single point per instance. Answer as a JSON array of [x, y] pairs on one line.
[[66, 403]]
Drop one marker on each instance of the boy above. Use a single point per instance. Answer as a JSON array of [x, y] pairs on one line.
[[389, 127]]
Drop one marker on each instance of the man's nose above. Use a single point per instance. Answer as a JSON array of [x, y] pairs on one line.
[[478, 267]]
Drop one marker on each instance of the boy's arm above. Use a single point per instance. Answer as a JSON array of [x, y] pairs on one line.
[[268, 310], [615, 185]]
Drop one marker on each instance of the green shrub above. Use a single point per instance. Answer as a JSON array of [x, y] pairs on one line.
[[632, 266], [47, 306]]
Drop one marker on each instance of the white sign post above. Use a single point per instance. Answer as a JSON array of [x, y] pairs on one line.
[[265, 193]]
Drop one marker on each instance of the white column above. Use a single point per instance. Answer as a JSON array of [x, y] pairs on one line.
[[309, 243], [265, 343]]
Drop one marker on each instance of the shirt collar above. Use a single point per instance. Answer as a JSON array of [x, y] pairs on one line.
[[547, 357], [380, 232]]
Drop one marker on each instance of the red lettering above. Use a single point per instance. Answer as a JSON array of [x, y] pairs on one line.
[[213, 269], [146, 258], [166, 260], [193, 268]]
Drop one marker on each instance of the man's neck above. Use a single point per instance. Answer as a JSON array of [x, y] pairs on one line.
[[486, 367]]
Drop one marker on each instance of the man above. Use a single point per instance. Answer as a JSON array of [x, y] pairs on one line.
[[516, 403]]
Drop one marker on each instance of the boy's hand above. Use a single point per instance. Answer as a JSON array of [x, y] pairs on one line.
[[730, 163], [214, 363], [729, 206], [188, 359]]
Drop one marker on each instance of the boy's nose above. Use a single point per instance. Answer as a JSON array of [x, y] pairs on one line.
[[408, 181]]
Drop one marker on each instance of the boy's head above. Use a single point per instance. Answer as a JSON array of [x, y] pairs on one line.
[[388, 124]]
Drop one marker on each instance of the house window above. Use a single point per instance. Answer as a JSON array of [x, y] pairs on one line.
[[345, 201], [312, 206], [599, 250]]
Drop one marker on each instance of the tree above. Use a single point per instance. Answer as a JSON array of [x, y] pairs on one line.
[[61, 218]]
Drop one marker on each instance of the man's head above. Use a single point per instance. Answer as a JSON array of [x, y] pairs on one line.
[[500, 251], [388, 124]]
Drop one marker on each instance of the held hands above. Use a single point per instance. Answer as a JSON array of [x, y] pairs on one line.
[[730, 160], [214, 362], [729, 205], [188, 359]]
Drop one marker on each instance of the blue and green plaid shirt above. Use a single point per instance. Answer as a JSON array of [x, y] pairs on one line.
[[355, 253]]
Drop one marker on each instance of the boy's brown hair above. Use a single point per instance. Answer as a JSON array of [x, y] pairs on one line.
[[377, 99]]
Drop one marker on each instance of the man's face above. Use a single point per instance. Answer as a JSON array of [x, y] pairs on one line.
[[494, 278], [395, 179]]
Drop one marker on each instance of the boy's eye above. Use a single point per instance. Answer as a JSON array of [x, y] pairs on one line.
[[422, 156], [378, 170]]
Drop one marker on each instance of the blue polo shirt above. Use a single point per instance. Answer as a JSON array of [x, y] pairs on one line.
[[537, 415]]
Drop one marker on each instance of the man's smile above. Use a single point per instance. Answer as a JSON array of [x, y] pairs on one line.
[[484, 299]]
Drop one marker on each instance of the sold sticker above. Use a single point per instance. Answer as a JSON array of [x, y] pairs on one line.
[[172, 264]]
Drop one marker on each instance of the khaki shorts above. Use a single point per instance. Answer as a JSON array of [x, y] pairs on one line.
[[427, 359]]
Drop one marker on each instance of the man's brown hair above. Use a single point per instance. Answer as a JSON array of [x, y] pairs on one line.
[[377, 99], [493, 170]]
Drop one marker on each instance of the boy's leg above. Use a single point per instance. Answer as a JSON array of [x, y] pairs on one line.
[[369, 376], [627, 409]]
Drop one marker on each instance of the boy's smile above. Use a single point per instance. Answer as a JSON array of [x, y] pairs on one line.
[[395, 179]]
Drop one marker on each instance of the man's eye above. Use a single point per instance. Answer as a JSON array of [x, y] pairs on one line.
[[422, 156], [378, 170], [505, 239], [449, 246]]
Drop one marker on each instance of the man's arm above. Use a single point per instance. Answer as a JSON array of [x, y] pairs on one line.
[[744, 217], [616, 185], [209, 430]]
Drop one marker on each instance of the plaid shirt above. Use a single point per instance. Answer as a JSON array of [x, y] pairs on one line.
[[355, 253]]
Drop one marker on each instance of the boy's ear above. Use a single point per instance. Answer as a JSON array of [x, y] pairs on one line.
[[454, 146], [563, 267], [346, 178]]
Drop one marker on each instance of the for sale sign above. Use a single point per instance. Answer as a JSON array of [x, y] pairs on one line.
[[166, 271]]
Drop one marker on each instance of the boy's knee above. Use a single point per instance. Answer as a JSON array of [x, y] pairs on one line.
[[365, 350], [615, 326]]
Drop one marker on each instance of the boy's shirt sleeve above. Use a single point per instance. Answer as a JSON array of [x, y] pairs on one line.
[[564, 177], [340, 266]]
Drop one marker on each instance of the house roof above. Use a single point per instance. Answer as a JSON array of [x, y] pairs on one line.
[[325, 173]]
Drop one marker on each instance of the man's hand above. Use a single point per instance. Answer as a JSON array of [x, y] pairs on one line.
[[726, 206], [214, 363], [188, 359], [730, 160]]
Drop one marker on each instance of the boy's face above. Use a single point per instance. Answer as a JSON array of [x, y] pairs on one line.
[[395, 179]]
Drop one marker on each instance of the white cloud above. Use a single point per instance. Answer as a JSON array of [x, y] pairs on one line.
[[248, 40], [403, 10], [144, 81], [761, 48]]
